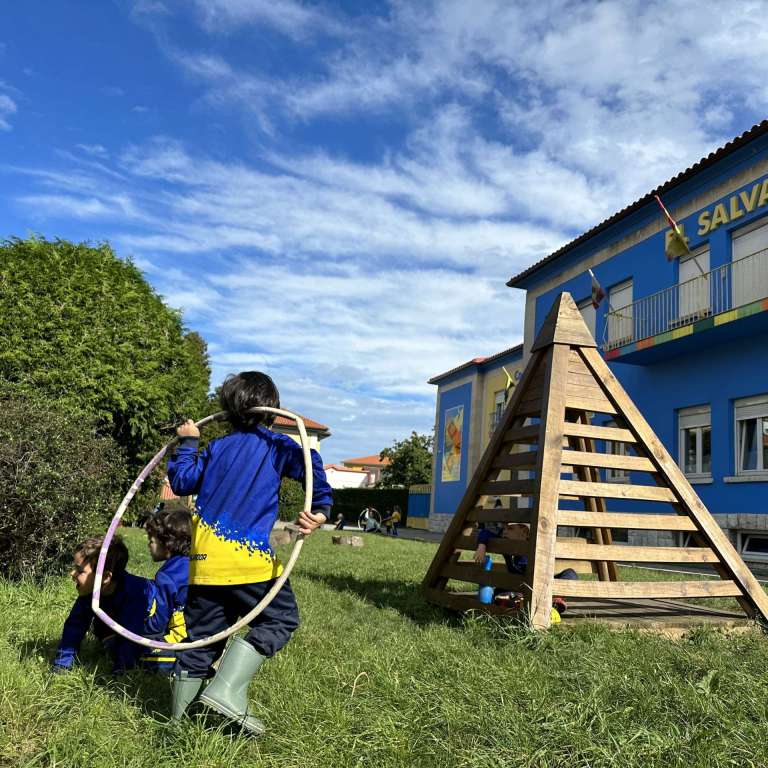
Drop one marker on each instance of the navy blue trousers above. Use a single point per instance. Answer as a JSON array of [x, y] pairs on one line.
[[210, 609]]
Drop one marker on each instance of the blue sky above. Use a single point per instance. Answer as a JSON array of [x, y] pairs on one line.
[[336, 192]]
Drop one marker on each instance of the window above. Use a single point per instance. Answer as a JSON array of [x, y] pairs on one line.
[[695, 441], [589, 314], [693, 286], [617, 449], [751, 418], [499, 402], [750, 263], [620, 326], [754, 545]]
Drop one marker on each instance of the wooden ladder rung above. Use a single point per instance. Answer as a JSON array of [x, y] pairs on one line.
[[638, 521], [628, 554], [646, 589], [608, 460], [529, 434], [497, 545], [507, 487], [516, 460], [468, 571], [500, 515], [616, 491]]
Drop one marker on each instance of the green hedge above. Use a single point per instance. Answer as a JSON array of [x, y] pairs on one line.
[[352, 501]]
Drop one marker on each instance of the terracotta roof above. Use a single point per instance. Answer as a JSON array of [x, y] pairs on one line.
[[342, 468], [314, 426], [476, 361], [754, 132], [367, 461]]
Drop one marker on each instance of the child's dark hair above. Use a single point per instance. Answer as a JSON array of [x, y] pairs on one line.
[[172, 527], [117, 554], [246, 390]]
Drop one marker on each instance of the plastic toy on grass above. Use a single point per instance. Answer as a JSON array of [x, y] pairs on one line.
[[369, 520], [267, 599]]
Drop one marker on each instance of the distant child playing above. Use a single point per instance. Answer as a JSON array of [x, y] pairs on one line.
[[168, 538], [124, 597], [232, 566]]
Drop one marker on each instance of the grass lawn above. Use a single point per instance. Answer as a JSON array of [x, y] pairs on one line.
[[376, 677]]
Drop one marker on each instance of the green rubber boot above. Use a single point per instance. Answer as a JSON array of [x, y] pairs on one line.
[[183, 692], [227, 693]]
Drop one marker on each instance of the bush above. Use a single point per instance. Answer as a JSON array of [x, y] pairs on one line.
[[352, 501], [290, 500], [59, 483]]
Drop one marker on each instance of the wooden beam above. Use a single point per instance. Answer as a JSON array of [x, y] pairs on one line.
[[541, 561], [616, 491], [516, 460], [468, 571], [500, 515], [754, 598], [498, 545], [608, 460], [602, 405], [598, 433], [507, 487], [463, 602], [627, 554], [529, 434], [646, 589], [635, 521]]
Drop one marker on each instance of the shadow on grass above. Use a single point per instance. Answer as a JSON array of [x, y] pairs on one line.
[[150, 691], [404, 597]]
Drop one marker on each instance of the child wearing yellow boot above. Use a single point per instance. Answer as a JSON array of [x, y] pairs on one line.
[[232, 566]]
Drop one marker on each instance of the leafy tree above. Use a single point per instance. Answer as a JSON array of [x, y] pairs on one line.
[[410, 462], [59, 483], [82, 327]]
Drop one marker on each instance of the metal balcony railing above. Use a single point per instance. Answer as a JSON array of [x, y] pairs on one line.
[[719, 290]]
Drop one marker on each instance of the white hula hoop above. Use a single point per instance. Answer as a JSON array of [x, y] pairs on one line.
[[265, 601]]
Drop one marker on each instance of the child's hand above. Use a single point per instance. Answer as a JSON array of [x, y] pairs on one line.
[[308, 521], [188, 429], [480, 554]]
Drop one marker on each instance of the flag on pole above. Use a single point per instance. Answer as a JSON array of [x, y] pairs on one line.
[[675, 241], [598, 294]]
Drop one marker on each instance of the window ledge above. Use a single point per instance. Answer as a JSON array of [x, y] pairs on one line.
[[755, 477], [701, 479]]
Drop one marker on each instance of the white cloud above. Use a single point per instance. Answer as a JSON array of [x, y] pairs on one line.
[[96, 150], [7, 108]]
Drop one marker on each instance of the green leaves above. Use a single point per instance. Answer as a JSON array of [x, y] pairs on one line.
[[410, 462]]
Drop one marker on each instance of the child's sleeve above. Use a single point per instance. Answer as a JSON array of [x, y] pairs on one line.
[[484, 535], [161, 605], [186, 467], [293, 467], [75, 628]]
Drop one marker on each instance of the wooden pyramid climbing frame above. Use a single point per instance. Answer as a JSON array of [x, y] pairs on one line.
[[547, 435]]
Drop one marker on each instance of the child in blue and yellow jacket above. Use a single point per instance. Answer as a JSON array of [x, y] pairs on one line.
[[168, 538], [232, 566], [124, 597]]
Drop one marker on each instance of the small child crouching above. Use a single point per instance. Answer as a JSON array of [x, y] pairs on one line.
[[124, 597], [168, 538]]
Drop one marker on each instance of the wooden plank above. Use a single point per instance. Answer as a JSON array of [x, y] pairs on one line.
[[529, 434], [541, 561], [563, 325], [463, 602], [754, 598], [582, 378], [627, 554], [646, 589], [529, 408], [616, 491], [637, 521], [614, 434], [584, 567], [468, 571], [511, 423], [508, 488], [516, 460], [590, 391], [609, 460], [588, 404], [498, 546], [501, 515]]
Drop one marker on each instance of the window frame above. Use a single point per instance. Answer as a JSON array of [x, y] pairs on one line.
[[742, 539], [755, 407], [587, 304], [617, 324], [697, 417]]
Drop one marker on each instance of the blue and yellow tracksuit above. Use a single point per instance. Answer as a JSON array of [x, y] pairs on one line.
[[166, 614], [237, 481], [128, 605]]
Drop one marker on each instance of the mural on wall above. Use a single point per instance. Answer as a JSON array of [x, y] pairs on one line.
[[454, 423]]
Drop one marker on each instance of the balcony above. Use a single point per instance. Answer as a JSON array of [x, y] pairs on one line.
[[727, 293]]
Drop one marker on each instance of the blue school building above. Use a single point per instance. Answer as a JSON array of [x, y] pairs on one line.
[[686, 337]]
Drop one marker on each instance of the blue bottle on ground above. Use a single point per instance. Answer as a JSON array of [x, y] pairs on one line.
[[485, 593]]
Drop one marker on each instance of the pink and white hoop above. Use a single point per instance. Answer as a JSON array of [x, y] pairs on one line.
[[265, 601]]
